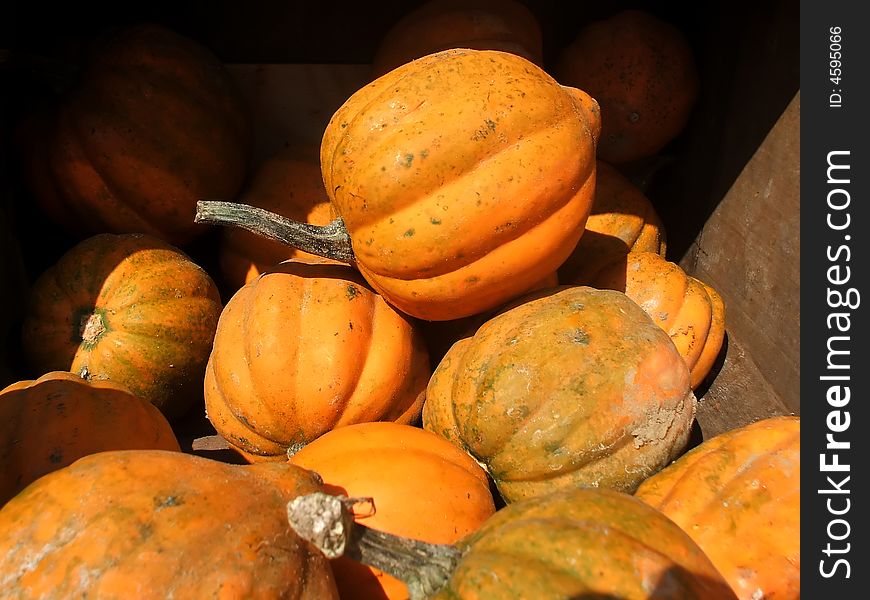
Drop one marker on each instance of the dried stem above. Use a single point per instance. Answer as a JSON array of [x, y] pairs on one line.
[[330, 241], [327, 522]]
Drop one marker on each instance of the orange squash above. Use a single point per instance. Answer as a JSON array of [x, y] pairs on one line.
[[152, 524], [582, 543], [506, 25], [423, 487], [129, 309], [288, 184], [47, 423], [738, 496], [689, 310], [571, 386], [307, 347], [622, 220], [153, 124], [642, 72], [463, 178], [460, 180]]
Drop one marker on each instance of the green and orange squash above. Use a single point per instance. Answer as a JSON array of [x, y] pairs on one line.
[[129, 309], [738, 496], [571, 386], [48, 423], [580, 543], [154, 524], [575, 543]]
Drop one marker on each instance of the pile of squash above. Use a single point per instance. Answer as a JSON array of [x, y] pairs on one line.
[[459, 319]]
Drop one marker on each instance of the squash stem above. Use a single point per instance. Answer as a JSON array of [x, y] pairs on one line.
[[327, 522], [329, 241]]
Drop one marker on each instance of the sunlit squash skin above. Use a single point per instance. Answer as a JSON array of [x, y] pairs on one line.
[[572, 386], [47, 423], [582, 543], [423, 487], [463, 178], [738, 496], [691, 311], [129, 309], [307, 347], [154, 524], [622, 220]]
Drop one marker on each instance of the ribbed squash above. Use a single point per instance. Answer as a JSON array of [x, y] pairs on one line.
[[47, 423], [738, 496], [642, 71], [423, 487], [574, 543], [129, 309], [582, 543], [463, 178], [152, 524], [305, 348], [692, 312], [622, 220], [505, 25], [290, 185], [572, 386], [153, 123]]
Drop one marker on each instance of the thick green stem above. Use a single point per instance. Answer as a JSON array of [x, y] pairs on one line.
[[329, 241], [327, 522]]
